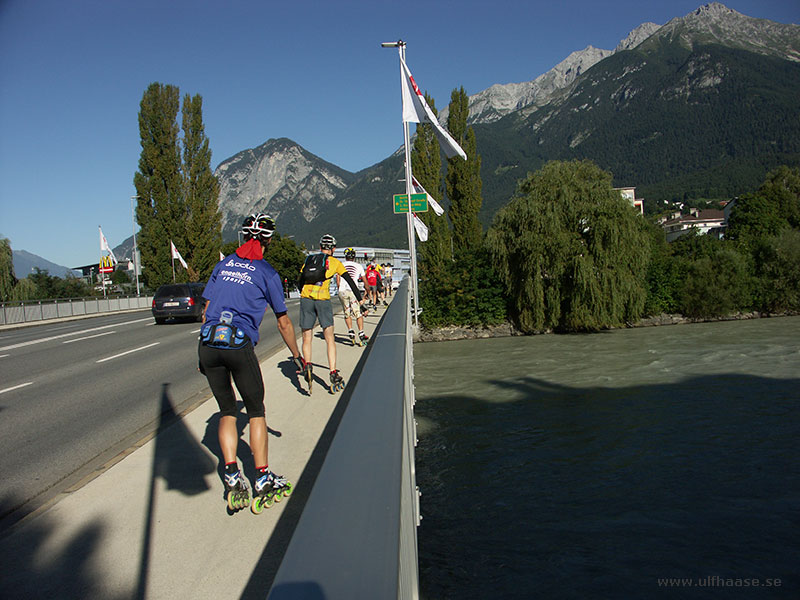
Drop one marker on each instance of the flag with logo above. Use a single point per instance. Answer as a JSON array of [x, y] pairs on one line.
[[418, 189], [416, 110], [104, 245], [176, 254]]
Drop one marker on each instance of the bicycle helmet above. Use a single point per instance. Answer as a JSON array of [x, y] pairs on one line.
[[258, 226], [327, 242], [349, 254]]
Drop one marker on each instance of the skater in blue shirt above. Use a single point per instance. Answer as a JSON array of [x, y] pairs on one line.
[[241, 287]]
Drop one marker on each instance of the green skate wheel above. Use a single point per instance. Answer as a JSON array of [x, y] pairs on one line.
[[231, 501], [257, 506]]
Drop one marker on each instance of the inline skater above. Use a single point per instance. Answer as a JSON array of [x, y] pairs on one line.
[[350, 306], [315, 304], [241, 287]]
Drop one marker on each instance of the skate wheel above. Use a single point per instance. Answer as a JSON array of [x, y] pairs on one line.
[[231, 501], [257, 506]]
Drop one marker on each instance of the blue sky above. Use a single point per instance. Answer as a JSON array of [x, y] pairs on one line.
[[72, 74]]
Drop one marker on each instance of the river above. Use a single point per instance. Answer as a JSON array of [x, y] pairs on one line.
[[636, 463]]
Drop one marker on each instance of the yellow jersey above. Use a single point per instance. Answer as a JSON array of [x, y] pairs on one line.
[[322, 291]]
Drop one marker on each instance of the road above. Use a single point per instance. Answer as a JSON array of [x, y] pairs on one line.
[[75, 394]]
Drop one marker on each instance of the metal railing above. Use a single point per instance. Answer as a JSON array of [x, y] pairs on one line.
[[12, 313], [357, 536]]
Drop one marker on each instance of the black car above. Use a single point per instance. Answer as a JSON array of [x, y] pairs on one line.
[[178, 301]]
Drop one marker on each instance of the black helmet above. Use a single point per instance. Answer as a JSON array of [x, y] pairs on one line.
[[258, 226], [327, 242], [350, 254]]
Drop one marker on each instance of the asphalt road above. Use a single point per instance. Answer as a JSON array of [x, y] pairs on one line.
[[75, 394]]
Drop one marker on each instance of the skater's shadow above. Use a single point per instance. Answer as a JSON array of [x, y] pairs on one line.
[[289, 371], [243, 451]]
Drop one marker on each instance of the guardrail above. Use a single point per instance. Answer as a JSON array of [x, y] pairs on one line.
[[357, 536], [13, 313]]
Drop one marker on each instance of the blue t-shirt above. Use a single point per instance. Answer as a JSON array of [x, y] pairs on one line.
[[245, 287]]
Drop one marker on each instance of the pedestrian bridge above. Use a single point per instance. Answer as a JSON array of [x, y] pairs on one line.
[[357, 536]]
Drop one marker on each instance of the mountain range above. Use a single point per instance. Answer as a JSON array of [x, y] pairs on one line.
[[701, 107]]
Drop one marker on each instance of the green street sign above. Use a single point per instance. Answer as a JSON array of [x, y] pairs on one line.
[[419, 203]]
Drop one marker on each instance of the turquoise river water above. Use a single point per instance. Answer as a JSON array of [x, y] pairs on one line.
[[637, 463]]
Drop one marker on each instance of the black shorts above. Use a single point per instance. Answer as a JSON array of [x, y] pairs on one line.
[[219, 364]]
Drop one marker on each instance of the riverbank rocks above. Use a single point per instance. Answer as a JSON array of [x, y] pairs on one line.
[[449, 334]]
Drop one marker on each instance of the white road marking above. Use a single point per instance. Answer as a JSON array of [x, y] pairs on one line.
[[128, 352], [16, 387], [89, 337], [4, 355], [63, 335]]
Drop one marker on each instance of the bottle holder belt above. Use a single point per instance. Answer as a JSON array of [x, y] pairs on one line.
[[223, 335]]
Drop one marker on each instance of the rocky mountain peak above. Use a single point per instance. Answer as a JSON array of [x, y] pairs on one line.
[[280, 178]]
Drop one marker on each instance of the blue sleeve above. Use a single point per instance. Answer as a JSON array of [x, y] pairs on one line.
[[275, 293]]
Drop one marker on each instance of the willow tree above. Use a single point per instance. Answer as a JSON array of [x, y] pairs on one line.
[[426, 164], [571, 251], [463, 178]]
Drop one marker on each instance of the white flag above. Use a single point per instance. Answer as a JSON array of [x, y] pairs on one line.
[[221, 256], [104, 245], [176, 254], [416, 110], [422, 229], [418, 189]]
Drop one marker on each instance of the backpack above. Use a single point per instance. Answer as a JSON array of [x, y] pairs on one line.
[[313, 269]]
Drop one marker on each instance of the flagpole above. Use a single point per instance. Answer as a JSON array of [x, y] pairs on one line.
[[412, 247]]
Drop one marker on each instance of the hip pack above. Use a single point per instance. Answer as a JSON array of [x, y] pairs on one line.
[[224, 334]]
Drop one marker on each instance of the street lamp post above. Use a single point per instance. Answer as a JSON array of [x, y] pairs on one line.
[[135, 252]]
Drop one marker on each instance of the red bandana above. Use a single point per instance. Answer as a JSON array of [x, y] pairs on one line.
[[250, 249]]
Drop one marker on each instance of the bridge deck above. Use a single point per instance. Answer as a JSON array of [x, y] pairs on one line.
[[155, 524]]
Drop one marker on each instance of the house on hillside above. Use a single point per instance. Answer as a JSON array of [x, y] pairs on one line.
[[629, 193], [706, 222]]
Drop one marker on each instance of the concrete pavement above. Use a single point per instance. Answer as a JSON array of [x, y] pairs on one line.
[[155, 524]]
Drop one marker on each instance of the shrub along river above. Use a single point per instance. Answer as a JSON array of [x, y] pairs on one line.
[[632, 463]]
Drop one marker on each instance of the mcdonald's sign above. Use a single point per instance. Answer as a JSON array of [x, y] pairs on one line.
[[106, 264]]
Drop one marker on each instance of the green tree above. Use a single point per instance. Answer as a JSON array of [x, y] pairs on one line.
[[571, 252], [285, 257], [664, 277], [426, 165], [201, 191], [25, 290], [775, 206], [778, 267], [463, 178], [160, 209], [7, 279], [716, 285]]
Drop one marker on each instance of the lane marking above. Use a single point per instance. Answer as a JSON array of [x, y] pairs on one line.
[[63, 335], [16, 387], [4, 355], [128, 352], [89, 337]]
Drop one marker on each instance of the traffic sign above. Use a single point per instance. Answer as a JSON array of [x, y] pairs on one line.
[[419, 203]]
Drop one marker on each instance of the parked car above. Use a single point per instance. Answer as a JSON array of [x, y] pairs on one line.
[[178, 301]]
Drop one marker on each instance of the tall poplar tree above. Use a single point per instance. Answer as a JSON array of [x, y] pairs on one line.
[[426, 165], [201, 190], [160, 207], [177, 191], [7, 279], [463, 178]]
